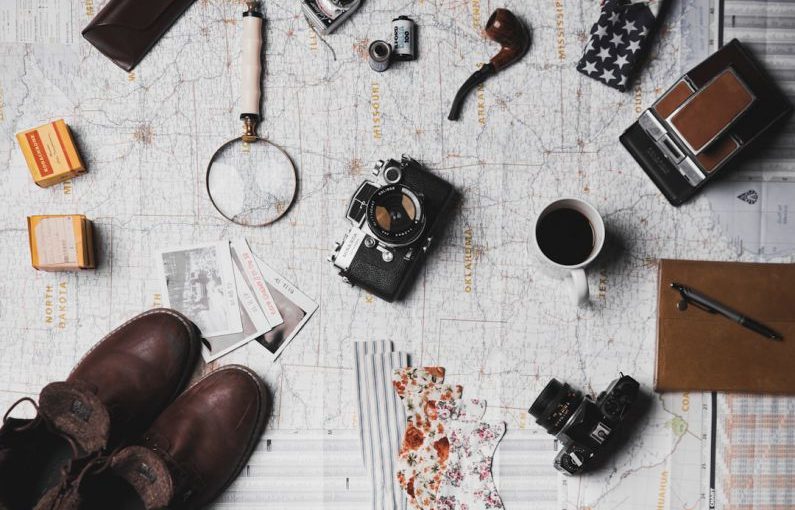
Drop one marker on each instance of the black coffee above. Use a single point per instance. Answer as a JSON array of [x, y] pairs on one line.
[[565, 236]]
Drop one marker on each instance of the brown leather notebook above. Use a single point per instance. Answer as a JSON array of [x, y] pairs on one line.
[[700, 351]]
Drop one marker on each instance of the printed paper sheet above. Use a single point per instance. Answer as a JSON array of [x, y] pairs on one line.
[[754, 205]]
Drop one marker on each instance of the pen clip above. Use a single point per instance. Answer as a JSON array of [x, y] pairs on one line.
[[700, 306], [685, 302]]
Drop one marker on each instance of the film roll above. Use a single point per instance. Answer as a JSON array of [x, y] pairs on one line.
[[380, 55], [404, 38]]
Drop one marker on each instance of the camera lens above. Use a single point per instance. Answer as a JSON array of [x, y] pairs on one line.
[[394, 213], [555, 405]]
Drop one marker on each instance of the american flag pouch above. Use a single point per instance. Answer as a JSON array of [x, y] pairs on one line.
[[619, 40]]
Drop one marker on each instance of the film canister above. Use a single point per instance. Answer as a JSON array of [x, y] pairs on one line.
[[404, 38], [380, 53]]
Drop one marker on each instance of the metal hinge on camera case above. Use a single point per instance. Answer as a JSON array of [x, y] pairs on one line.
[[326, 15], [395, 218]]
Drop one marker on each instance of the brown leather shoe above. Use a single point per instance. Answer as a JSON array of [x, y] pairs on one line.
[[192, 452], [112, 395]]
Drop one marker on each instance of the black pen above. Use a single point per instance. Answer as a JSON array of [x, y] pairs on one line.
[[712, 306]]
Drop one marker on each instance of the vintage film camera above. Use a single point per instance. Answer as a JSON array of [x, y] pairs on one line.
[[581, 424], [395, 218], [705, 122], [327, 15]]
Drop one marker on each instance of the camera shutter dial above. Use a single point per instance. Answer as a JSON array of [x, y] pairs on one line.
[[392, 175]]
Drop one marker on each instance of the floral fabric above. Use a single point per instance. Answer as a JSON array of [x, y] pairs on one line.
[[461, 410], [446, 455], [468, 483], [423, 454]]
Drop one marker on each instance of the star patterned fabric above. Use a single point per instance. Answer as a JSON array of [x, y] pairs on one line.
[[618, 41]]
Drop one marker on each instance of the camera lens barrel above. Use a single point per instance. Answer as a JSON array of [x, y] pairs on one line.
[[555, 405], [545, 398]]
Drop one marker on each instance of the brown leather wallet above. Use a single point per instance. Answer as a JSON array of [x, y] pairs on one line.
[[125, 30]]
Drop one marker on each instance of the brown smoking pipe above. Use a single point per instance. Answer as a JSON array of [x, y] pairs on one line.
[[506, 29]]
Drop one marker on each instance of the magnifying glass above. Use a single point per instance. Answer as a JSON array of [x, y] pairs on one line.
[[251, 181]]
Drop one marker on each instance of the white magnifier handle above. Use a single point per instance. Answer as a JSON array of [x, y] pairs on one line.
[[251, 69]]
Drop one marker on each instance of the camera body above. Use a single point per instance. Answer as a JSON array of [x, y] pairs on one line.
[[395, 218], [581, 424], [327, 15]]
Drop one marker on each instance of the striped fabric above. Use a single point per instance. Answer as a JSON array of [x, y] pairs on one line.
[[381, 419], [322, 470]]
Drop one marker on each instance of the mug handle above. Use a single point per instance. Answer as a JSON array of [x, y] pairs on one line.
[[580, 292]]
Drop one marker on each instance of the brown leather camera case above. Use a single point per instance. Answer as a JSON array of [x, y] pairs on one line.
[[125, 30]]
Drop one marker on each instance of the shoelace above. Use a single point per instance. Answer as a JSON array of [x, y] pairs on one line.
[[70, 485], [14, 405], [36, 421], [64, 483], [67, 485], [184, 481]]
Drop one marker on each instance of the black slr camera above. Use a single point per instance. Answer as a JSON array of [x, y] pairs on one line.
[[581, 424], [395, 218]]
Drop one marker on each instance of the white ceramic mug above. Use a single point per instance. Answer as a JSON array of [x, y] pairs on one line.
[[575, 273]]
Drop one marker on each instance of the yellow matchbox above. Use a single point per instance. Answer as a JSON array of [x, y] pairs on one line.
[[61, 242], [50, 153]]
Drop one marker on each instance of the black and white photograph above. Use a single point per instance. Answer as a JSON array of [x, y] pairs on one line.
[[295, 307], [199, 282], [255, 324]]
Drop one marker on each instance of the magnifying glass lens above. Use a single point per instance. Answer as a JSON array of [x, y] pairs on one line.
[[251, 183]]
